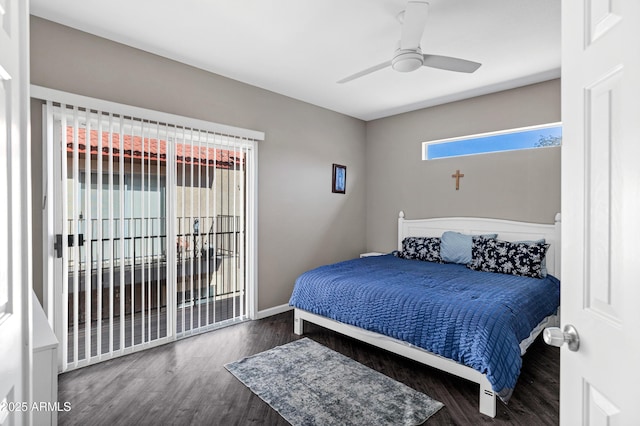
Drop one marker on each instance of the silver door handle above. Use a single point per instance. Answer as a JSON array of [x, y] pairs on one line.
[[553, 336]]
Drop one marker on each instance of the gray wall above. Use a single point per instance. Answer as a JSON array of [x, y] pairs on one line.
[[36, 196], [518, 185], [301, 223]]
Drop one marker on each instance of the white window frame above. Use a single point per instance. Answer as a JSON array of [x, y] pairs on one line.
[[426, 144]]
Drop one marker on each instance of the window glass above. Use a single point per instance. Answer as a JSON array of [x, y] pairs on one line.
[[508, 140]]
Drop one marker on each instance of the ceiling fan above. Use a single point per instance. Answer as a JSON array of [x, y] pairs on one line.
[[408, 56]]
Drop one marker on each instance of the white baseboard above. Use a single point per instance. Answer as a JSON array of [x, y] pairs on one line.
[[273, 311]]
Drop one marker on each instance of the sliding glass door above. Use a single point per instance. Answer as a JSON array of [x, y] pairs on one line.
[[151, 238]]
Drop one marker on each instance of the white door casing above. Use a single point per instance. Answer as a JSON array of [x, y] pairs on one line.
[[15, 216], [601, 211]]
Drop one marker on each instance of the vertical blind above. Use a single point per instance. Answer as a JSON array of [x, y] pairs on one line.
[[154, 228]]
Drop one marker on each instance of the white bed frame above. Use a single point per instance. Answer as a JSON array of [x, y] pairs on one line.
[[506, 230]]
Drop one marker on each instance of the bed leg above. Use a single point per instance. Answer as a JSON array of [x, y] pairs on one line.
[[487, 401], [298, 325]]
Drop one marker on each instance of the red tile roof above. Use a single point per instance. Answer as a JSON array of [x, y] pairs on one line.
[[133, 148]]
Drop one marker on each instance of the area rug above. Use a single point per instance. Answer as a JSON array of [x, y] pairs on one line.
[[310, 384]]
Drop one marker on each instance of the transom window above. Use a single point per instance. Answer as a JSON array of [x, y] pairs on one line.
[[541, 136]]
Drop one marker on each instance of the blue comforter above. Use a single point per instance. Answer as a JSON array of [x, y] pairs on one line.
[[475, 318]]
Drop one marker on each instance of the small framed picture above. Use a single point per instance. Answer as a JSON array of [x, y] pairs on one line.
[[339, 179]]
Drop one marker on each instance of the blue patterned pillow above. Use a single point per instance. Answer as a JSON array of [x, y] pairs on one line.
[[456, 247], [421, 248], [544, 271], [523, 258]]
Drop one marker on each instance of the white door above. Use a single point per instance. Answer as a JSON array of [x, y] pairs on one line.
[[15, 283], [601, 211]]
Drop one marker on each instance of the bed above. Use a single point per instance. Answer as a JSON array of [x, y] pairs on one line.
[[475, 324]]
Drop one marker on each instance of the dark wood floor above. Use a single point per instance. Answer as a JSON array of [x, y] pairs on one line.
[[185, 383]]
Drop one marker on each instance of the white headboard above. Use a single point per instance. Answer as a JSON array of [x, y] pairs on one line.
[[507, 230]]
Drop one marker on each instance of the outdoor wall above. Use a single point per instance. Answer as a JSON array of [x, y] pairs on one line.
[[301, 223], [517, 185]]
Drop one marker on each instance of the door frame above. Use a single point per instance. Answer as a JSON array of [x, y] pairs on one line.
[[16, 328], [53, 299]]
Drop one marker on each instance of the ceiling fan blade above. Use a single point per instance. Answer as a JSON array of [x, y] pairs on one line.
[[414, 21], [365, 72], [450, 64]]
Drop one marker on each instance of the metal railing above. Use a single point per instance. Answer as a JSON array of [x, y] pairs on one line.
[[198, 262], [222, 238]]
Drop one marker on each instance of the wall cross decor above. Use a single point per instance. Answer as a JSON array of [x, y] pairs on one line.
[[457, 177]]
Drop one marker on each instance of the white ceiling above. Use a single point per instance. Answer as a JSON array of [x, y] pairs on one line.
[[300, 48]]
